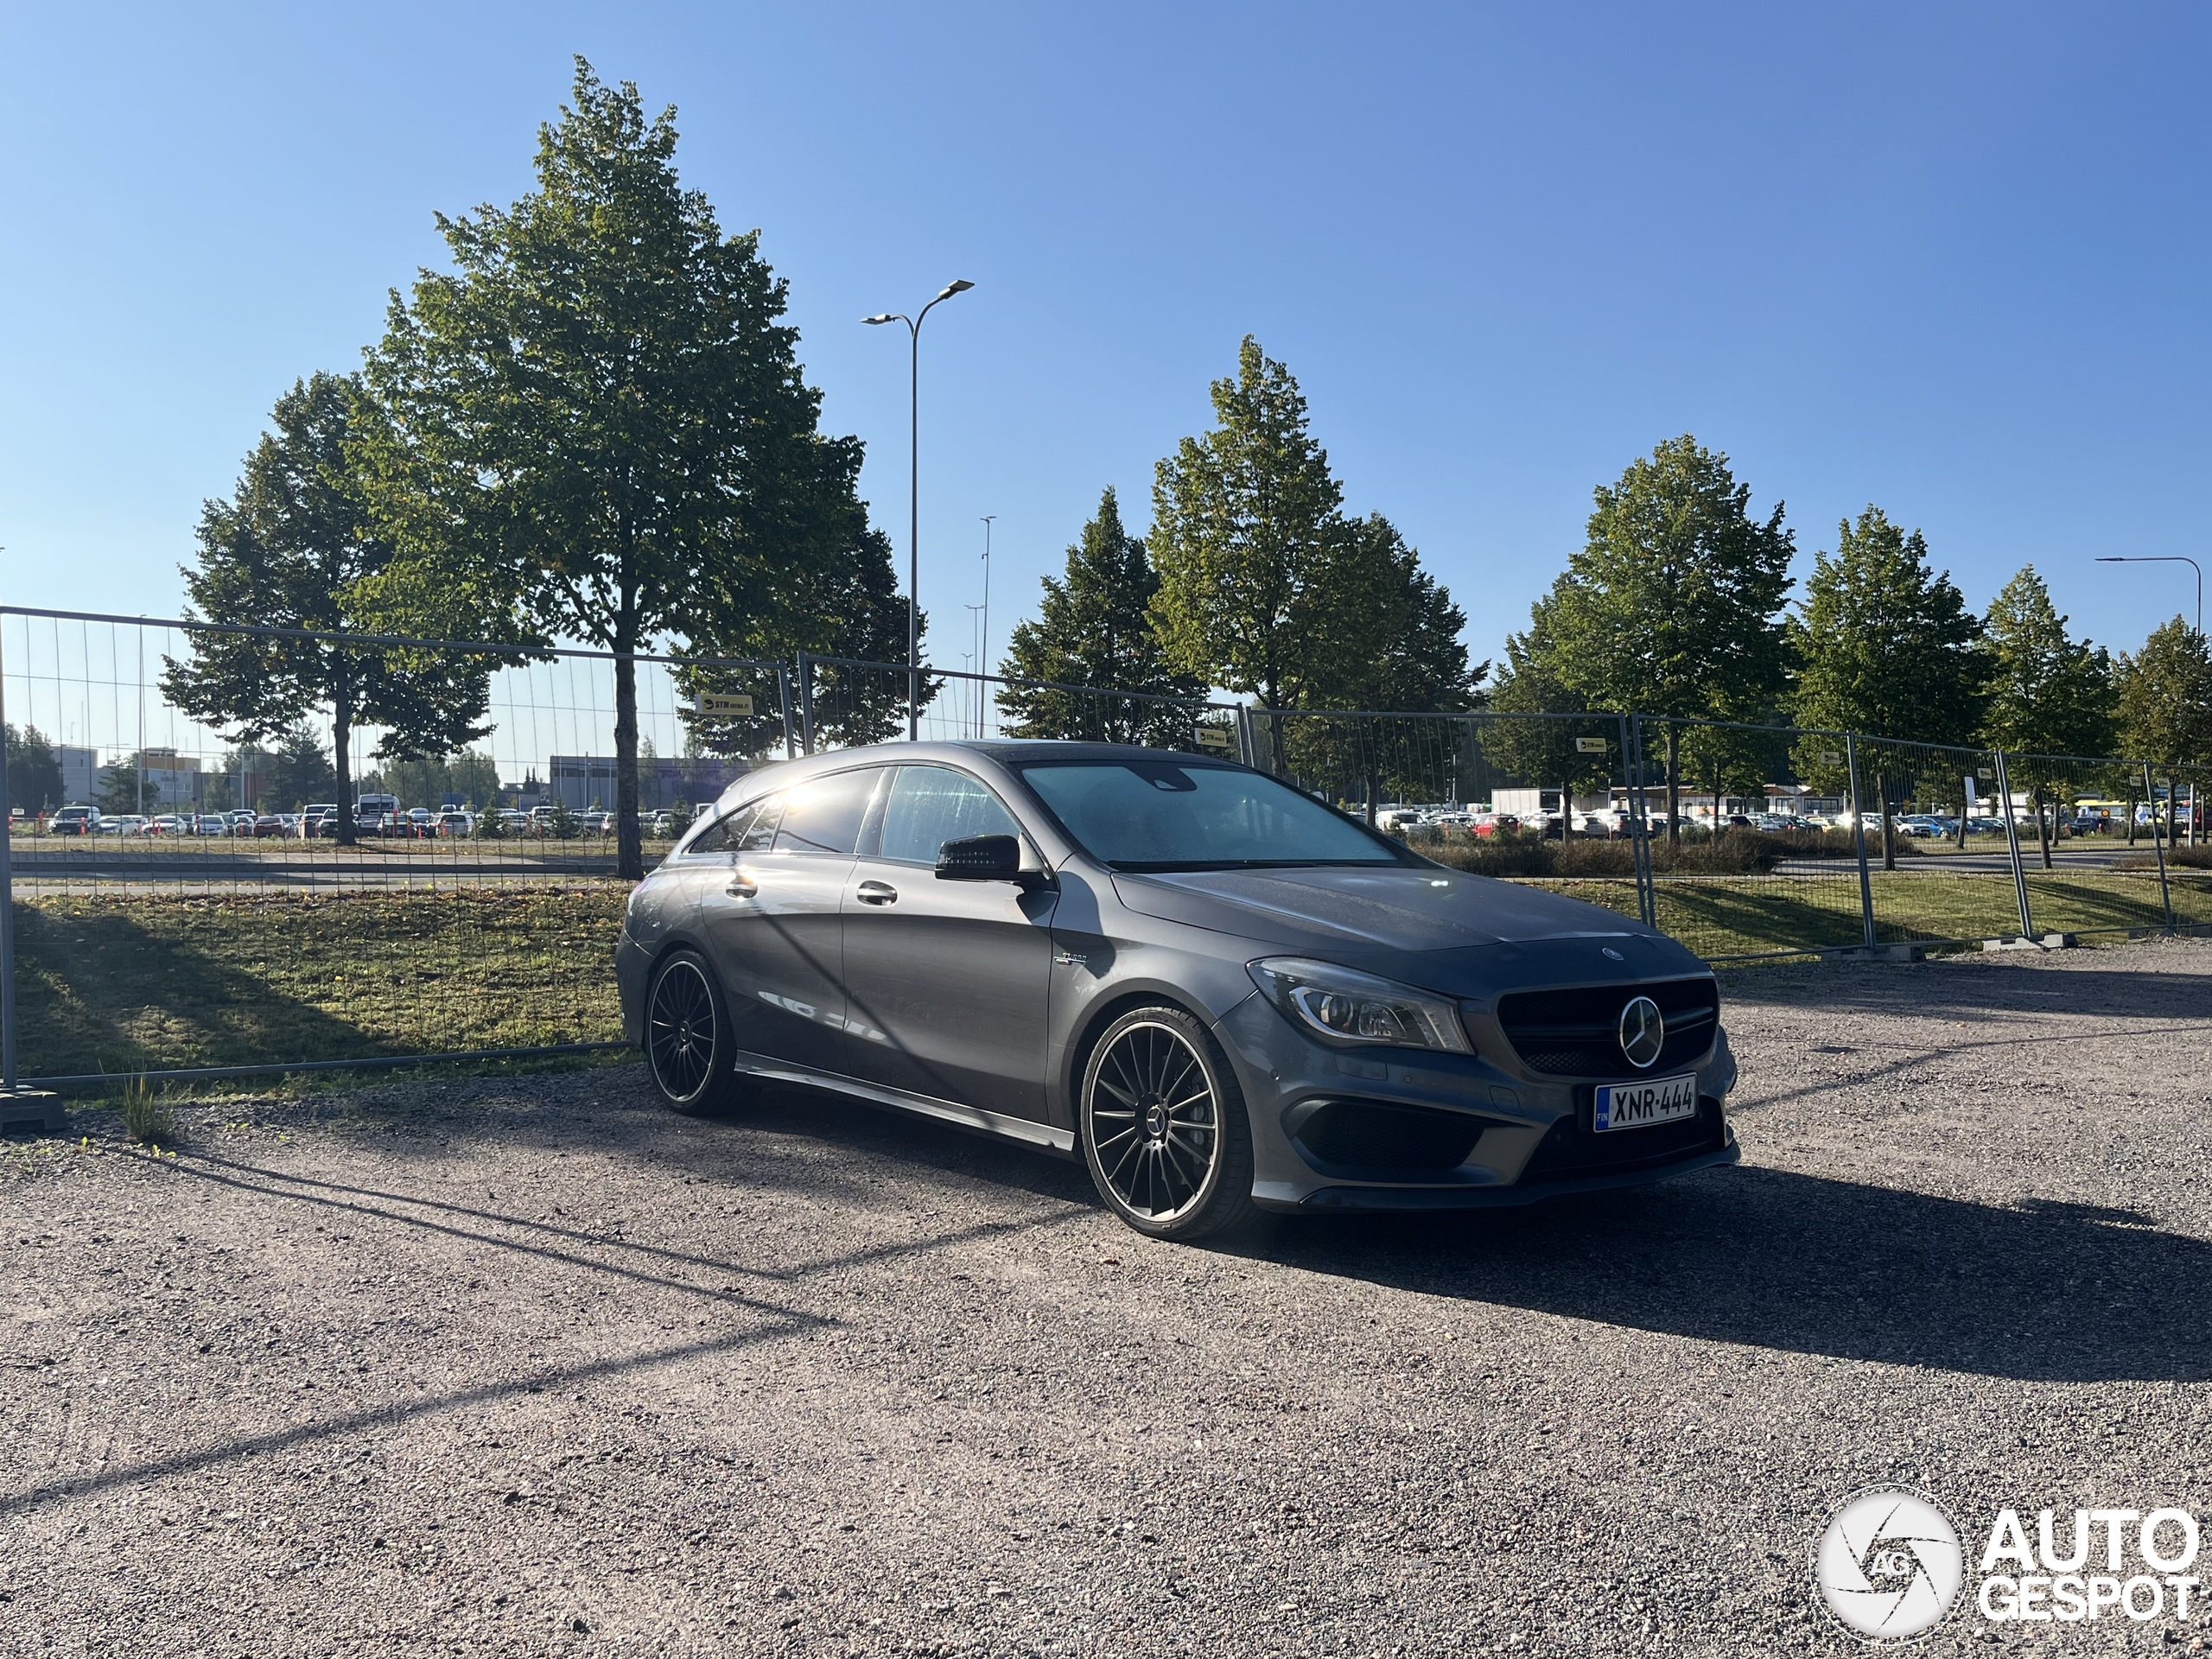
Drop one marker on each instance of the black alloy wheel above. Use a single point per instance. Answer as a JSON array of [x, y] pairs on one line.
[[1163, 1126], [688, 1042]]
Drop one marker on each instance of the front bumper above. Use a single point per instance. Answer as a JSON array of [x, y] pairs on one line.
[[1526, 1135], [1493, 1198]]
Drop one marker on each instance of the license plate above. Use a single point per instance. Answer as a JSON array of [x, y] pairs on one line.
[[1639, 1105]]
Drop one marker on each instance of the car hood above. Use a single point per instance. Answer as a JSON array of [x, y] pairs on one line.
[[1465, 935], [1394, 908]]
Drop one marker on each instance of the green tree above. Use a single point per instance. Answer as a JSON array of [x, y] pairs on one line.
[[120, 794], [2164, 702], [1885, 645], [1264, 587], [1543, 751], [1419, 667], [34, 771], [301, 772], [294, 548], [1094, 628], [846, 606], [596, 427], [1672, 606], [2049, 694]]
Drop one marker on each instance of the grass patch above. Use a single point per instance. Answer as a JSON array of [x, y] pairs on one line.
[[146, 1118], [146, 982], [1723, 916]]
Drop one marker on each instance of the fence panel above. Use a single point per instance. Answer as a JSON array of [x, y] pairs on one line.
[[2098, 841], [1751, 847], [188, 896]]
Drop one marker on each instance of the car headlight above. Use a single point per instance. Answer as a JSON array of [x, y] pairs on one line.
[[1346, 1005]]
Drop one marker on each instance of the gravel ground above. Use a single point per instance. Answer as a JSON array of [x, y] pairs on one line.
[[531, 1367]]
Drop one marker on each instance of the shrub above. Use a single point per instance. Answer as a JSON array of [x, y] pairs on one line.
[[1733, 852]]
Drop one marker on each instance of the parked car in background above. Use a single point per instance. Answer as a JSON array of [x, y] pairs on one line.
[[597, 823], [457, 823], [75, 820]]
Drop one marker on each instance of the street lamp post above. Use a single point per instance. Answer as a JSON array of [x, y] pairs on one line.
[[2165, 559], [983, 649], [914, 493]]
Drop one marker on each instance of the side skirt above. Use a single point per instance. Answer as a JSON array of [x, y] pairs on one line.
[[997, 1125]]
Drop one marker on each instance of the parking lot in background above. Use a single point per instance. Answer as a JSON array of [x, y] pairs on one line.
[[531, 1366]]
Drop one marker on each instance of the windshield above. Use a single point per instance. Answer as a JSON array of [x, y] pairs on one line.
[[1154, 815]]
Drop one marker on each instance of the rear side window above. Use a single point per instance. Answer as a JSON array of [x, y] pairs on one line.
[[930, 805], [824, 815], [725, 832]]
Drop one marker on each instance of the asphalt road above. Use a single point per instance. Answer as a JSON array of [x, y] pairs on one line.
[[531, 1367]]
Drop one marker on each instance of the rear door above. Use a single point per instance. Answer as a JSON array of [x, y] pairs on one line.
[[772, 923], [945, 981]]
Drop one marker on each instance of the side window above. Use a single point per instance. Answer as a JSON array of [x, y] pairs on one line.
[[723, 835], [930, 805], [824, 815], [759, 830]]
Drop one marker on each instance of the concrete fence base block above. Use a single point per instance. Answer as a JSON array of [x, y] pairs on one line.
[[1880, 953], [19, 1106], [2031, 941]]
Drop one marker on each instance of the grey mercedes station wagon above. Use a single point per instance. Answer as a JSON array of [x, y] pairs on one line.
[[1218, 991]]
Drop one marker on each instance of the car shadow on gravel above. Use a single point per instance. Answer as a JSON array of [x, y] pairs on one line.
[[1798, 1263]]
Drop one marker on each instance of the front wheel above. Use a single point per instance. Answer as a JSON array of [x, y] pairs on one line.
[[1163, 1126], [689, 1044]]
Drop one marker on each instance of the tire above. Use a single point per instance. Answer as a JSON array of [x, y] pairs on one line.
[[1163, 1126], [689, 1043]]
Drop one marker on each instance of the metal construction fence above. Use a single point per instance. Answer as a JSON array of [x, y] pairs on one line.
[[239, 850]]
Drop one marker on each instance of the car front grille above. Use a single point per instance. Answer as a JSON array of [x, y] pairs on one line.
[[1576, 1034], [1569, 1149]]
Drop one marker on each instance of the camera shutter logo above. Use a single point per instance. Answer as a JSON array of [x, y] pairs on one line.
[[1642, 1033], [1889, 1565]]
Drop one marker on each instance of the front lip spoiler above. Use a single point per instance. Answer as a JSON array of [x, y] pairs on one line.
[[1495, 1197]]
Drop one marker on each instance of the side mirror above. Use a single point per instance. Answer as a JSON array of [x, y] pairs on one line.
[[980, 858]]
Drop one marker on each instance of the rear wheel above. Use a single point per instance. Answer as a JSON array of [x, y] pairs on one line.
[[1163, 1126], [689, 1044]]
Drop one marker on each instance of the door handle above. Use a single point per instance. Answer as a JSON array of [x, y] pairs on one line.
[[877, 893], [740, 887]]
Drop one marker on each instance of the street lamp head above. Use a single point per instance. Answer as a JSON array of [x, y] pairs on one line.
[[880, 316], [2113, 559], [958, 285]]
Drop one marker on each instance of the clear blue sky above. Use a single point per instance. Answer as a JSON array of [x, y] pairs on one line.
[[1949, 259]]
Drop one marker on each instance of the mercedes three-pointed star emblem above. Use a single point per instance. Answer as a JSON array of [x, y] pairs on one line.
[[1643, 1032]]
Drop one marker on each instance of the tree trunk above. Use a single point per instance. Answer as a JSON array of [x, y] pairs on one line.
[[1889, 830], [1674, 785], [1566, 811], [341, 740], [2131, 818], [1962, 813], [2042, 829], [629, 849]]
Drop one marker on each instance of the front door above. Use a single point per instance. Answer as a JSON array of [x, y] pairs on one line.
[[945, 982], [771, 923]]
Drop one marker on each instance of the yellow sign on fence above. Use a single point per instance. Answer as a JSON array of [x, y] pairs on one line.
[[724, 704], [1212, 737]]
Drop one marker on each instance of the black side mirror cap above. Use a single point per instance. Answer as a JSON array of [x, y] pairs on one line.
[[981, 858]]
